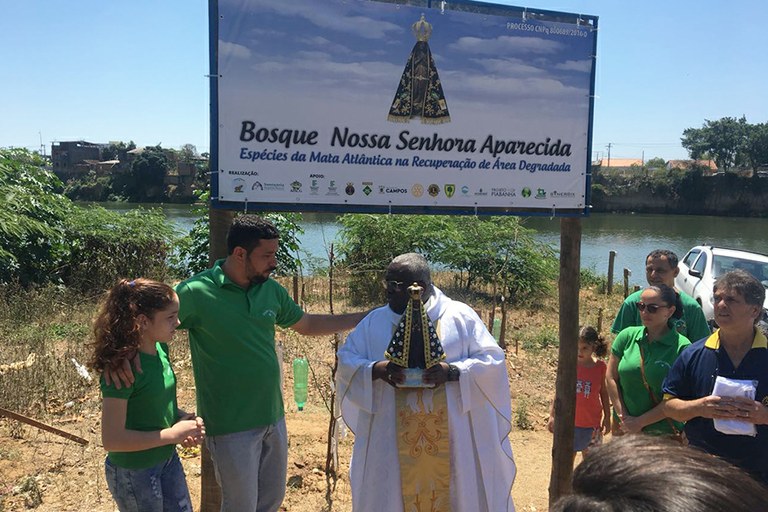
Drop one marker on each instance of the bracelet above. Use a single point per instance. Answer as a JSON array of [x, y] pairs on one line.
[[453, 373]]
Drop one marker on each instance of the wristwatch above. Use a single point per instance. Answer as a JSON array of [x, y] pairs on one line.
[[453, 373]]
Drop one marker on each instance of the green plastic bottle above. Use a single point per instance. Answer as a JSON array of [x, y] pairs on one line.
[[300, 373], [496, 329]]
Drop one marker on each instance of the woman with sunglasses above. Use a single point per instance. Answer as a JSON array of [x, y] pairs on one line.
[[641, 357]]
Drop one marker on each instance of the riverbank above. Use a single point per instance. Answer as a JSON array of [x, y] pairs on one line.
[[679, 193]]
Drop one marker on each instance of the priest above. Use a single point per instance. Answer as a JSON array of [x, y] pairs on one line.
[[424, 388]]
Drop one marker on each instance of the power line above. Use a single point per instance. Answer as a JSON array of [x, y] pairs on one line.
[[641, 144]]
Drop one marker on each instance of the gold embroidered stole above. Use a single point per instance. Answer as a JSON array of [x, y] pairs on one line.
[[423, 449]]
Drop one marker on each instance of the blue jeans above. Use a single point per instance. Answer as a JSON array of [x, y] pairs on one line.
[[251, 468], [161, 488]]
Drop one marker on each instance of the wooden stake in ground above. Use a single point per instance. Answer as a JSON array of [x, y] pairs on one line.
[[42, 426], [565, 393]]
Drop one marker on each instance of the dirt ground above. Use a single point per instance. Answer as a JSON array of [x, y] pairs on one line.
[[44, 472]]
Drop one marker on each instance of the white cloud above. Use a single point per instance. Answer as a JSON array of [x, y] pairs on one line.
[[470, 85], [312, 11], [233, 50], [505, 45], [509, 67], [324, 44], [582, 66]]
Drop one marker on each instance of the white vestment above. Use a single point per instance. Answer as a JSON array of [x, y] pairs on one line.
[[479, 412]]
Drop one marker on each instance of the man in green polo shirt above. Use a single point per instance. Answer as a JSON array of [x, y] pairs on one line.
[[661, 268], [230, 311]]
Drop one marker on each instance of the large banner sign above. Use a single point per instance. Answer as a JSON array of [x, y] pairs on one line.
[[361, 105]]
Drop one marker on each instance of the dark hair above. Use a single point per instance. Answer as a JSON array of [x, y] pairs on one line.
[[116, 334], [663, 253], [247, 231], [670, 297], [639, 473], [591, 337], [745, 284]]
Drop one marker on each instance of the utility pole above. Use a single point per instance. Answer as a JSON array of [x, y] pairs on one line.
[[609, 154]]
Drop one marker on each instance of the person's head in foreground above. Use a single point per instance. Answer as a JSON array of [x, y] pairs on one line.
[[638, 473]]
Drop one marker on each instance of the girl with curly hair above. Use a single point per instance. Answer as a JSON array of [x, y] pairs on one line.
[[141, 424]]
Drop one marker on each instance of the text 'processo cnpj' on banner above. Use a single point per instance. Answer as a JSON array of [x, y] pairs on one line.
[[370, 104]]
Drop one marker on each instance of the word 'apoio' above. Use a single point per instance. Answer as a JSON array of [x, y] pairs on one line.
[[348, 139]]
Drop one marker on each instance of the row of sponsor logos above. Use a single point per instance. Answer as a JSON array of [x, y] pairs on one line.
[[416, 190]]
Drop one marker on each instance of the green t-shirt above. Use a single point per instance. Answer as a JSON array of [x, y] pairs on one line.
[[151, 406], [658, 357], [693, 325], [232, 342]]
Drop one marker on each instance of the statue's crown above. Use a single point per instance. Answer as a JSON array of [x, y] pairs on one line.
[[422, 29]]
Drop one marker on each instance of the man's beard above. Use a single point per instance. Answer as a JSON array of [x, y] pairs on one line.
[[262, 278], [259, 279]]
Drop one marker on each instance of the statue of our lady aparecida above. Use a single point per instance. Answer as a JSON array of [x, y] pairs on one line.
[[415, 345], [420, 93], [422, 428]]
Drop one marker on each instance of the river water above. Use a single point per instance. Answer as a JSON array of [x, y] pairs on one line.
[[632, 236]]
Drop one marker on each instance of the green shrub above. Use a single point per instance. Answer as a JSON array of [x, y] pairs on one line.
[[369, 242], [105, 246], [489, 250], [192, 250], [541, 339], [522, 417], [32, 219], [589, 278]]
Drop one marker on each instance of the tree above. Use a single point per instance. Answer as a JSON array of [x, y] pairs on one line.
[[756, 147], [656, 164], [368, 243], [188, 153], [45, 238], [117, 150], [496, 250], [147, 175], [724, 140], [483, 250], [32, 218]]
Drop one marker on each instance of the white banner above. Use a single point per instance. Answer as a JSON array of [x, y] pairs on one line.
[[357, 105]]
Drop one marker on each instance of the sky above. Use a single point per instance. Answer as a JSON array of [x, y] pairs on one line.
[[136, 70]]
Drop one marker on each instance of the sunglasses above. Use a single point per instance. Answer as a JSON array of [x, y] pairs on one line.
[[397, 286], [652, 308]]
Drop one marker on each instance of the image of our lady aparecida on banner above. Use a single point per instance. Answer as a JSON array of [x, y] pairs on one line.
[[415, 345], [420, 93]]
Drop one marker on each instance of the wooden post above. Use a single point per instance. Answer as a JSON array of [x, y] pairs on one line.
[[565, 393], [599, 320], [219, 221], [210, 493], [42, 426], [611, 261], [627, 273]]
